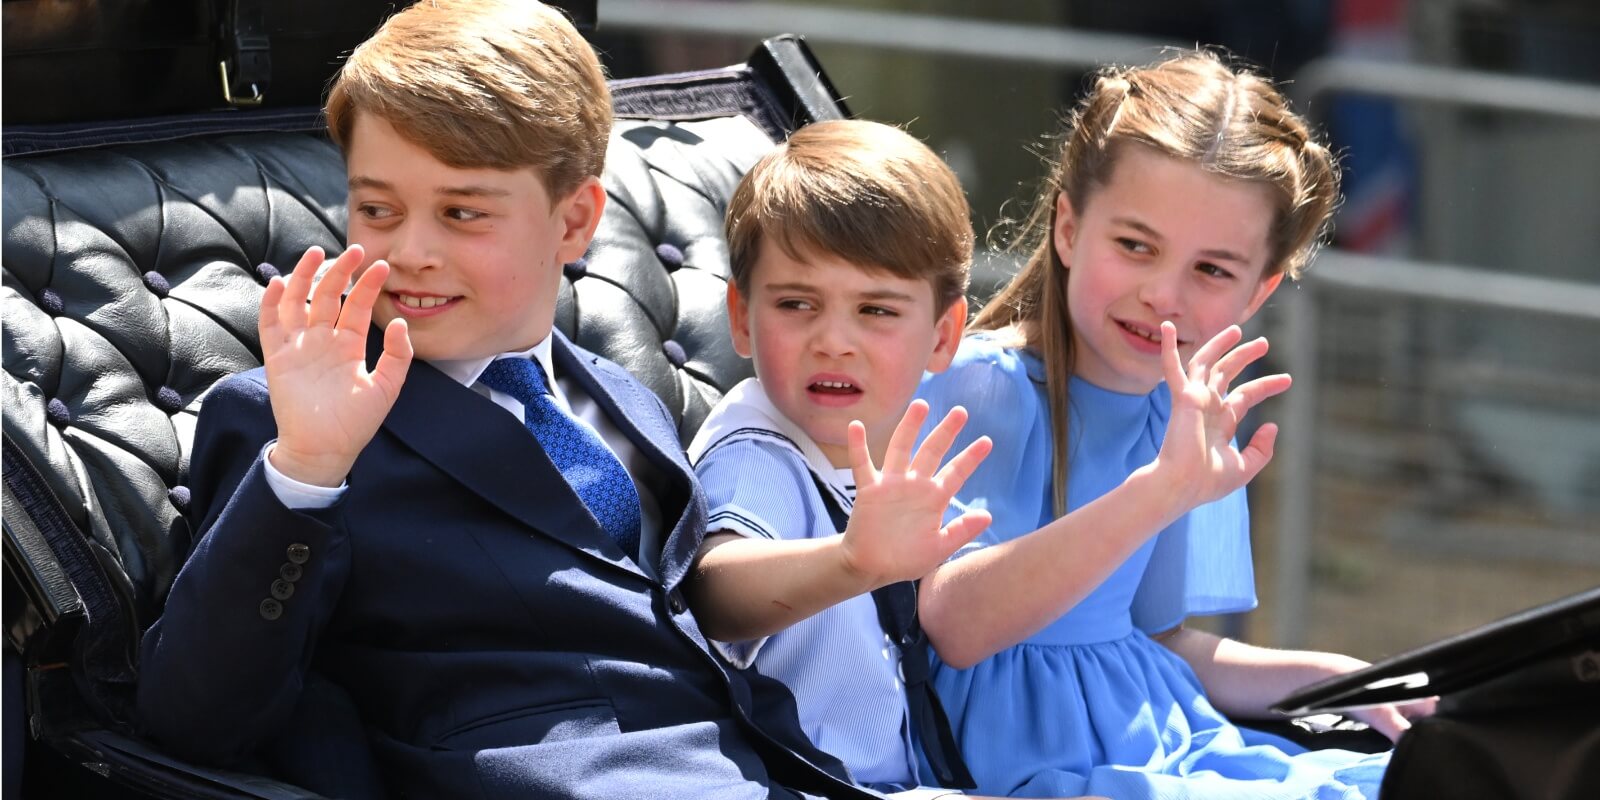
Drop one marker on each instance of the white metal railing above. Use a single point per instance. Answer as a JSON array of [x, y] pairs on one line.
[[1453, 86], [1335, 270], [882, 30]]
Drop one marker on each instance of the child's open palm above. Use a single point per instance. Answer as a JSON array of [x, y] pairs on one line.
[[1198, 451], [896, 531], [326, 402]]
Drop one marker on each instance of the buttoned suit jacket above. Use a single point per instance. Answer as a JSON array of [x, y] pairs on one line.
[[492, 639]]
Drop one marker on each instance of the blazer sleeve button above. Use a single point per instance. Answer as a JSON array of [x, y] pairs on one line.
[[299, 553], [290, 571], [271, 609], [282, 589]]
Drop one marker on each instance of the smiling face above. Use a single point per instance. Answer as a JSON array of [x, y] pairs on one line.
[[475, 254], [1162, 240], [833, 342]]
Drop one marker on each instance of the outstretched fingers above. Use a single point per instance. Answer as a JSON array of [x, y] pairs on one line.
[[1249, 395], [268, 324], [898, 457], [938, 442], [392, 365], [297, 290], [1233, 363], [1203, 359], [860, 457], [1171, 363], [954, 475], [326, 298], [965, 528], [356, 314], [1258, 453]]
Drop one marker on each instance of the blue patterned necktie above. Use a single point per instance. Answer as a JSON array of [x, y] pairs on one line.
[[589, 466]]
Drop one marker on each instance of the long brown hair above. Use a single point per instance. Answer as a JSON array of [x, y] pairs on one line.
[[1231, 122]]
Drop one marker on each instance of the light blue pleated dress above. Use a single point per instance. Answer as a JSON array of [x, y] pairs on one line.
[[1091, 704]]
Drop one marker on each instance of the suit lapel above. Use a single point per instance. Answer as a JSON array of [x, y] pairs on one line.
[[448, 425], [626, 403]]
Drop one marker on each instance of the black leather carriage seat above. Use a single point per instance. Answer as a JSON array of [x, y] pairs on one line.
[[132, 273]]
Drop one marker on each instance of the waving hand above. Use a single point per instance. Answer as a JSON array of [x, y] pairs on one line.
[[896, 529], [327, 404], [1199, 448]]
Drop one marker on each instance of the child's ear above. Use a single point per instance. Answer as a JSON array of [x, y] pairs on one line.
[[1264, 290], [1066, 227], [738, 320], [580, 215], [949, 327]]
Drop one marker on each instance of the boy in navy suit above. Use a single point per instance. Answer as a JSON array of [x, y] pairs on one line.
[[465, 529]]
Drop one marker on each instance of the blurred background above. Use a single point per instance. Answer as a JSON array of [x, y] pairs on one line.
[[1440, 461]]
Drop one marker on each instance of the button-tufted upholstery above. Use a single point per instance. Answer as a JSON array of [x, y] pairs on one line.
[[132, 274]]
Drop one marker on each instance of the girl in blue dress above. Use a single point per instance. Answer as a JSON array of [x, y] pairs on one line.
[[1183, 193]]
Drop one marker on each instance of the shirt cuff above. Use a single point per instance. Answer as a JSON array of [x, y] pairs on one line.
[[294, 494]]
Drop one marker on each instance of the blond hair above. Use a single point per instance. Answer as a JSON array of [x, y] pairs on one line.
[[498, 84], [866, 192], [1230, 122]]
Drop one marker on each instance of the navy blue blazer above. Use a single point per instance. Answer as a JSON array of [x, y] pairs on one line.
[[493, 641]]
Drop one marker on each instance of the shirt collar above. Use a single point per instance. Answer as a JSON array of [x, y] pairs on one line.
[[466, 371], [746, 412]]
